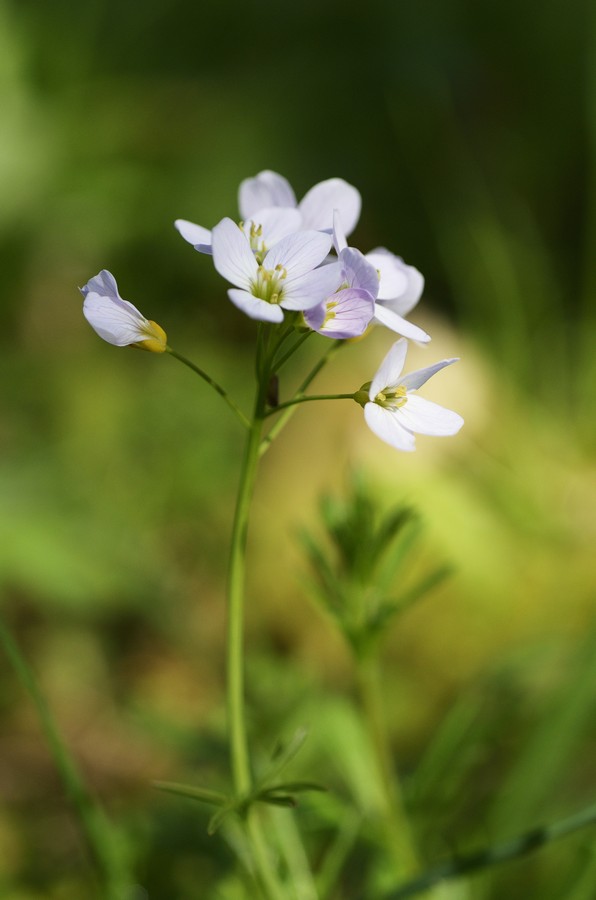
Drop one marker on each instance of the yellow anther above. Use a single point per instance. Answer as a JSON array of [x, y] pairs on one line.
[[392, 399]]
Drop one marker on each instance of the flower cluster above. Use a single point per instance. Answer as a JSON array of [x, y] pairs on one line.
[[291, 261], [278, 258]]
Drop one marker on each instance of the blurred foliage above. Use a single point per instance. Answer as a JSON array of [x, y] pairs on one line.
[[470, 130], [362, 567]]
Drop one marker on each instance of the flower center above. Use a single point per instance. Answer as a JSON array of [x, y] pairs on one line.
[[255, 239], [392, 398], [268, 285], [329, 312]]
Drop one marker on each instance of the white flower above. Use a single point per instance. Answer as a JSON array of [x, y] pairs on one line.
[[269, 212], [399, 290], [116, 320], [262, 229], [287, 277], [394, 412], [316, 207], [347, 312]]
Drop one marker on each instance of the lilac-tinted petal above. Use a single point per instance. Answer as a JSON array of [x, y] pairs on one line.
[[318, 205], [399, 283], [115, 320], [387, 375], [254, 307], [339, 238], [358, 272], [104, 284], [309, 289], [416, 379], [345, 314], [277, 223], [396, 323], [266, 189], [315, 316], [425, 417], [232, 256], [385, 425], [298, 253], [196, 235]]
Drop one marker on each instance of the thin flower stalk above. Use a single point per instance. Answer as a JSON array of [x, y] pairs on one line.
[[212, 383]]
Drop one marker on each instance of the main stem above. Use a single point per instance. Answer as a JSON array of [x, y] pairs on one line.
[[239, 755], [235, 686]]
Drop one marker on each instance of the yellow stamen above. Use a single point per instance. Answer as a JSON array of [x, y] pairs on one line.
[[392, 398]]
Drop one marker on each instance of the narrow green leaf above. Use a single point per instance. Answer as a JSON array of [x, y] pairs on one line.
[[205, 795]]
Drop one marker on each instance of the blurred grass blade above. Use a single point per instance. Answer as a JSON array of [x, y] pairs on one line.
[[550, 748], [106, 843], [346, 835], [292, 850], [498, 853]]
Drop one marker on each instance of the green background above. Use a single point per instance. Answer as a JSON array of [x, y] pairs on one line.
[[470, 130]]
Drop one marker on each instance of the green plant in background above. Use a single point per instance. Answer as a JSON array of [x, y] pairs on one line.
[[364, 567], [277, 258], [363, 580]]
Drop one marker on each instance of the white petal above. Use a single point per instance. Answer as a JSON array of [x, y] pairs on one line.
[[254, 307], [318, 205], [299, 253], [277, 223], [416, 379], [115, 320], [399, 283], [393, 280], [339, 238], [359, 273], [391, 320], [104, 284], [425, 417], [309, 289], [232, 256], [196, 235], [390, 369], [385, 425], [266, 189]]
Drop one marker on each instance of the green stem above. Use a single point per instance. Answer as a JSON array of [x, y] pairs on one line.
[[105, 845], [212, 383], [295, 400], [235, 685], [289, 353], [397, 826], [239, 755], [289, 412]]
